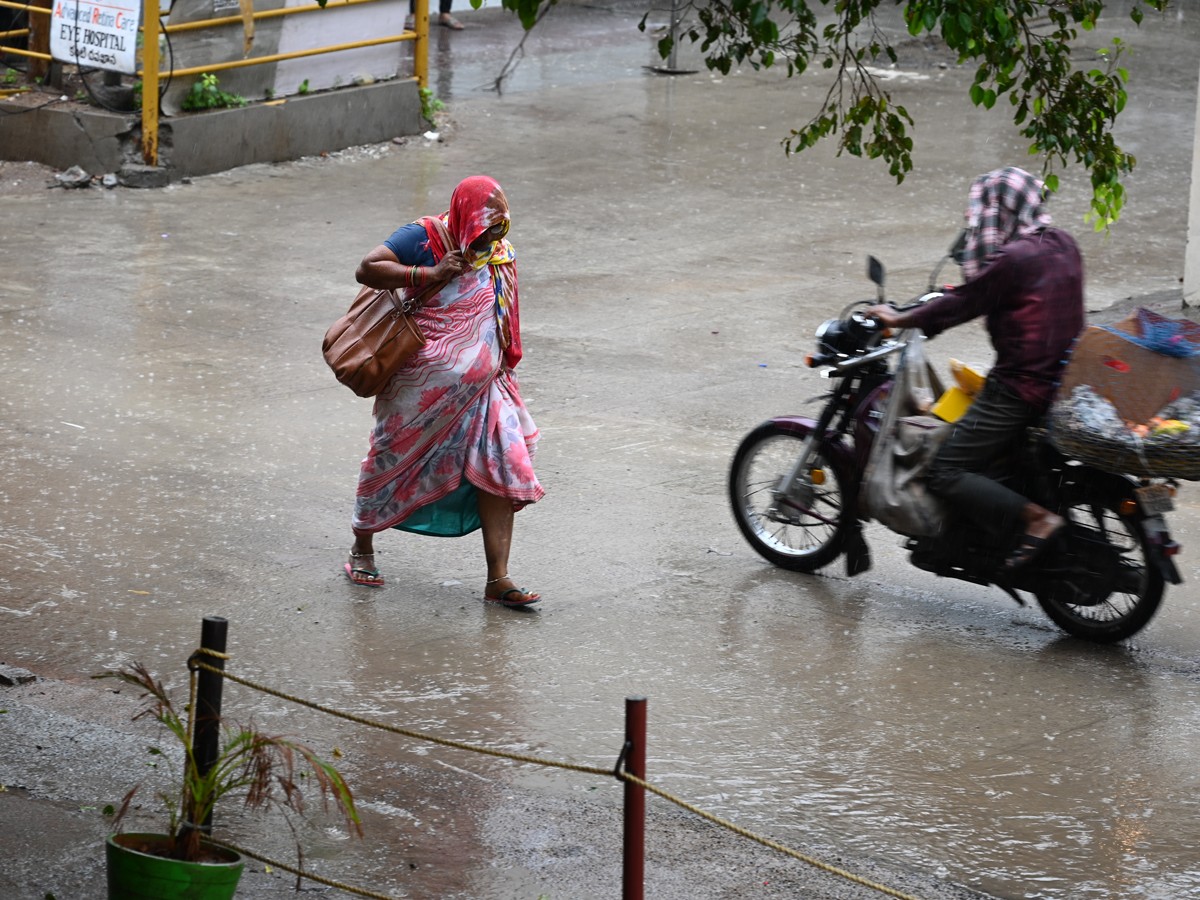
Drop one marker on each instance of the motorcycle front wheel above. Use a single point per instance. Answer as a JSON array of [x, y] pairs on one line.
[[1129, 599], [802, 529]]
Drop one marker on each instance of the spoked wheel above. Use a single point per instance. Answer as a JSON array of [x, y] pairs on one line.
[[1116, 602], [802, 527]]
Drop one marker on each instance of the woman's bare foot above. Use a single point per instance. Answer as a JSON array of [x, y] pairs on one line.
[[505, 592]]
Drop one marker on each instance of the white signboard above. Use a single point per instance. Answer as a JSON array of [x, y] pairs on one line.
[[96, 34]]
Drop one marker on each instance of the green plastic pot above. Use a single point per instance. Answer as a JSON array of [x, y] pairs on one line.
[[136, 873]]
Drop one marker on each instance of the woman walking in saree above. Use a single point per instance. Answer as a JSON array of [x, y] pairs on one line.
[[452, 448]]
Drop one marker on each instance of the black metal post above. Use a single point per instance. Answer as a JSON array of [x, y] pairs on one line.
[[206, 737]]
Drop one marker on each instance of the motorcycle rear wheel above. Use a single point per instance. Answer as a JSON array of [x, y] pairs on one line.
[[1136, 593], [804, 536]]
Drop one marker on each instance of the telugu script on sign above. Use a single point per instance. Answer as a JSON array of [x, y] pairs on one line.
[[96, 35]]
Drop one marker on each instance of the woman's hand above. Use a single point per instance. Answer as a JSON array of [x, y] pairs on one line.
[[381, 269], [450, 266]]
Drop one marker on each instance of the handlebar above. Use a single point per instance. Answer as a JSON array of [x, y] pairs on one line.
[[865, 324], [854, 337], [905, 307]]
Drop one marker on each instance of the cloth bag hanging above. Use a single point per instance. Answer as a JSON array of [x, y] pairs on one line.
[[893, 488]]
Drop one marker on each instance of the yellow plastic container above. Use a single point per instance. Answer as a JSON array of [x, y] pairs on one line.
[[952, 404], [968, 377]]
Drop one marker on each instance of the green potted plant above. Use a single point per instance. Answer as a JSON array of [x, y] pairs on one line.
[[264, 769]]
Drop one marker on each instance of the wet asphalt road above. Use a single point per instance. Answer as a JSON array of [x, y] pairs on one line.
[[172, 447]]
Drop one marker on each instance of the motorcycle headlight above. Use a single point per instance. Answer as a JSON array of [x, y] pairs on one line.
[[833, 337]]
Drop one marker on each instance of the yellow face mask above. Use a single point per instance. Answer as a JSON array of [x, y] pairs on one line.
[[479, 258]]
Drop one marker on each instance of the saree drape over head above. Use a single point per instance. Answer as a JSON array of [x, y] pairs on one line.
[[452, 421]]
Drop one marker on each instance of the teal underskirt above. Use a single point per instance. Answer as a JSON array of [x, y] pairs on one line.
[[454, 515]]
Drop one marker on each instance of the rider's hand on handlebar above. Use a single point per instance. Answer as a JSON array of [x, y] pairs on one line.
[[887, 316]]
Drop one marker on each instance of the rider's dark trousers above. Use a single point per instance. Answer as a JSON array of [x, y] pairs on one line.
[[992, 428]]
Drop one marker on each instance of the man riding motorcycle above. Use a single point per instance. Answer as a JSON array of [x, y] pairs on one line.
[[1026, 277]]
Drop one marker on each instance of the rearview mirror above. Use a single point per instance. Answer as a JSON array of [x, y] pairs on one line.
[[959, 245], [875, 273], [875, 270]]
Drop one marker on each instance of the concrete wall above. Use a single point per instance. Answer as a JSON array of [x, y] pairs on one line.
[[301, 126], [201, 143], [61, 138]]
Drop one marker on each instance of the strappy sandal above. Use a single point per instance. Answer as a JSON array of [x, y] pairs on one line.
[[505, 598], [1030, 549], [448, 21], [361, 576]]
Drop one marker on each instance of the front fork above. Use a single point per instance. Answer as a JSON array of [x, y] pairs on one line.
[[794, 489], [794, 493]]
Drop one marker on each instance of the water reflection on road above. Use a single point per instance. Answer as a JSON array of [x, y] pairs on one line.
[[173, 447]]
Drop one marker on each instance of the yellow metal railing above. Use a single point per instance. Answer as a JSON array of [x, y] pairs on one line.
[[151, 75], [262, 14], [278, 57], [29, 8]]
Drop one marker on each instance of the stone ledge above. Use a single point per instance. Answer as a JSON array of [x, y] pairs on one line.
[[11, 676], [202, 143]]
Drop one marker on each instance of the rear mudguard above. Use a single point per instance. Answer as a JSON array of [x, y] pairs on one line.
[[1160, 541], [1118, 488]]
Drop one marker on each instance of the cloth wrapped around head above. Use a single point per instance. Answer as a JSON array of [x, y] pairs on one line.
[[477, 204], [1004, 204]]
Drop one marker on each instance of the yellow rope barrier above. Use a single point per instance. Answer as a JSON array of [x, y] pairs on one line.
[[328, 882], [194, 664], [407, 732], [766, 842]]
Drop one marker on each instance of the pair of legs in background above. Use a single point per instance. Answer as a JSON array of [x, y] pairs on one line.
[[443, 18]]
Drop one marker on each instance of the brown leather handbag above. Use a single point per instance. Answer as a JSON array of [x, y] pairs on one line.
[[375, 337]]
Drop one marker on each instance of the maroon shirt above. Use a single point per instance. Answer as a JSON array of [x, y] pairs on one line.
[[1032, 295]]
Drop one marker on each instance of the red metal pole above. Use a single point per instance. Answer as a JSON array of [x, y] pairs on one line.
[[633, 884]]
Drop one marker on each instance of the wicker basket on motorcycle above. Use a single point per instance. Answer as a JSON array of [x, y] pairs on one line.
[[1128, 458], [1130, 398]]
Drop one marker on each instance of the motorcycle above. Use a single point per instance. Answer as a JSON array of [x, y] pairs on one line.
[[796, 486]]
